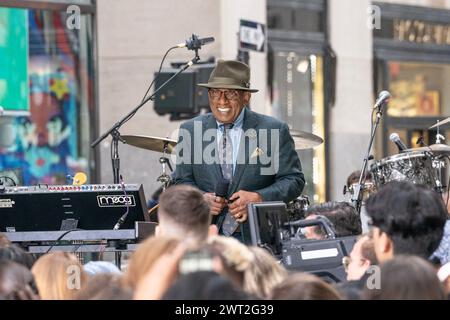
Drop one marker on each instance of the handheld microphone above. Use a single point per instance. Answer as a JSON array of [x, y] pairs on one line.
[[396, 139], [194, 42], [221, 189], [383, 98]]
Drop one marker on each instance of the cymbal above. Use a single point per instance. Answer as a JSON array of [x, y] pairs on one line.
[[150, 143], [305, 140], [435, 148], [440, 123]]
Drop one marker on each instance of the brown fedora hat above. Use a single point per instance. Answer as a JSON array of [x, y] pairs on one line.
[[230, 74]]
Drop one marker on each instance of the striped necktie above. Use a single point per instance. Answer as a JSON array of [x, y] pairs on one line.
[[229, 225]]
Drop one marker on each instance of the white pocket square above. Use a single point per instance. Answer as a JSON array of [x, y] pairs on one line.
[[258, 152]]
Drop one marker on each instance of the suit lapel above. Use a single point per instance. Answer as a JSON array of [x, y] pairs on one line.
[[250, 122], [210, 124]]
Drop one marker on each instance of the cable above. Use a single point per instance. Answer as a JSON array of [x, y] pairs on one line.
[[268, 248], [60, 238], [159, 71], [124, 216], [372, 121], [151, 84], [6, 177]]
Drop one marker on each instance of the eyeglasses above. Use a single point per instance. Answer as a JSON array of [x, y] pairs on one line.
[[230, 95]]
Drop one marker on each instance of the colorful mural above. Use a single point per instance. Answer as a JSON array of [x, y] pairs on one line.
[[45, 144]]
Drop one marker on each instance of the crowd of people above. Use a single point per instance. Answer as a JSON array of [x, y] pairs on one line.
[[403, 256]]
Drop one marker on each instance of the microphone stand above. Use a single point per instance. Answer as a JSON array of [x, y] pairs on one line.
[[114, 130], [357, 194]]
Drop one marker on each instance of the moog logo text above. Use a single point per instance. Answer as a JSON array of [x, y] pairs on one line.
[[116, 201]]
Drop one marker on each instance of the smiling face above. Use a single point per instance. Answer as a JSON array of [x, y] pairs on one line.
[[227, 104]]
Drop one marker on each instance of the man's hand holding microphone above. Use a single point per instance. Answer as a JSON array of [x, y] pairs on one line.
[[237, 203]]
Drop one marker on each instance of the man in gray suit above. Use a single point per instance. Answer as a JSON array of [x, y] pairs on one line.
[[253, 153]]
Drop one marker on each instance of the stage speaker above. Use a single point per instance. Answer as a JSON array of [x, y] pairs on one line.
[[179, 95], [182, 95]]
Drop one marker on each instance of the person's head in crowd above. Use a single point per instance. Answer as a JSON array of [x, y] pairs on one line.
[[353, 178], [184, 214], [4, 240], [406, 277], [16, 282], [59, 276], [353, 182], [204, 285], [263, 274], [145, 256], [361, 258], [105, 286], [304, 286], [444, 276], [236, 257], [100, 267], [406, 219], [15, 253], [342, 215]]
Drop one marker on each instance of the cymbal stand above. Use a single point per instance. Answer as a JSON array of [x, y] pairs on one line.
[[164, 178], [437, 163]]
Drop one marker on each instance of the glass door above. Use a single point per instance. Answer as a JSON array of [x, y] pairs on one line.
[[298, 99]]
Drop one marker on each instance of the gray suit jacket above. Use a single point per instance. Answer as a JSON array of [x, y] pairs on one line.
[[269, 166]]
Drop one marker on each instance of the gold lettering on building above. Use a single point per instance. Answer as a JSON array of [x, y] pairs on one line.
[[421, 32]]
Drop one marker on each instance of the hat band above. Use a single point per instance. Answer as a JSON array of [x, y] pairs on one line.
[[229, 81]]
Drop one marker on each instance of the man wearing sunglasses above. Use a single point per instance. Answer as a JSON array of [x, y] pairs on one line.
[[253, 153]]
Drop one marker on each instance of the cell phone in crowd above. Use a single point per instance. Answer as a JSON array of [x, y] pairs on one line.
[[196, 260]]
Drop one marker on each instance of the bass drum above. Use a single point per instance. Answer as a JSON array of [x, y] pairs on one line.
[[416, 167]]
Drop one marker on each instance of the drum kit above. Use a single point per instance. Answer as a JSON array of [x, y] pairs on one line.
[[423, 165]]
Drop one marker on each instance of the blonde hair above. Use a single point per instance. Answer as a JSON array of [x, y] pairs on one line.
[[236, 254], [145, 256], [58, 276], [263, 274]]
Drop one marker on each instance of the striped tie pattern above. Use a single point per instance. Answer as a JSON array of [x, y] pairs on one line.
[[229, 225]]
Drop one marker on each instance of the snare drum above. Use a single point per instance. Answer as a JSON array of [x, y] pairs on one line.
[[416, 167]]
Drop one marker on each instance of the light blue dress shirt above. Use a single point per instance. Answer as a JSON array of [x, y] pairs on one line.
[[235, 134]]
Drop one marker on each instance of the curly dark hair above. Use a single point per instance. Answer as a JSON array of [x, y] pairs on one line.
[[345, 219]]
